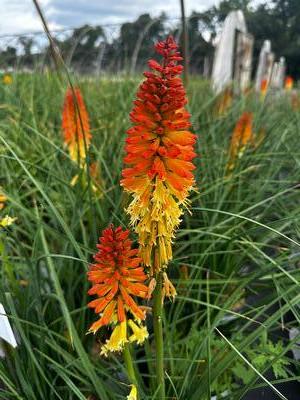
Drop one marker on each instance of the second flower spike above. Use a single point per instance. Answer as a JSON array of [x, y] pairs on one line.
[[118, 279]]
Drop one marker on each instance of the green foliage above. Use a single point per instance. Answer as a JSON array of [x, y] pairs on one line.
[[262, 353], [235, 261]]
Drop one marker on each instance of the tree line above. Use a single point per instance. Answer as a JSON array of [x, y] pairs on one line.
[[88, 49]]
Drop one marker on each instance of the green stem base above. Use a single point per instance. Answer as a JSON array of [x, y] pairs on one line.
[[129, 364], [158, 336]]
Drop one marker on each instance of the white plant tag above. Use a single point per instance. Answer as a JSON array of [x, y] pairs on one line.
[[6, 332]]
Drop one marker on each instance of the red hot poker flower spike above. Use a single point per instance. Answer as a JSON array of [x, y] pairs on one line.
[[117, 278], [75, 125], [160, 149], [264, 88], [241, 136], [289, 83]]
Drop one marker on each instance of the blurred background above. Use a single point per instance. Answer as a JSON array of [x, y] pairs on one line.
[[117, 36]]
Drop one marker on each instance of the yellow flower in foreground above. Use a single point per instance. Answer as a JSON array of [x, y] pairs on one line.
[[6, 221], [7, 79], [133, 393]]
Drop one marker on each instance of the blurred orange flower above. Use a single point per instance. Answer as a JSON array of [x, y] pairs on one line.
[[264, 88], [289, 83], [295, 101], [224, 101], [3, 199], [75, 126], [241, 136]]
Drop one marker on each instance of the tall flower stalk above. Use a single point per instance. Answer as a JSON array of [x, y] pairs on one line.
[[159, 153]]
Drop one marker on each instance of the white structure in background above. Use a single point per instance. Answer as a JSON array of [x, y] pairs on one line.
[[265, 65], [293, 334], [6, 332], [222, 73], [278, 74], [274, 74], [243, 61]]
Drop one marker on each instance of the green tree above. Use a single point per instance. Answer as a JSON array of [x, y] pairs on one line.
[[82, 47], [27, 58], [8, 57], [137, 38]]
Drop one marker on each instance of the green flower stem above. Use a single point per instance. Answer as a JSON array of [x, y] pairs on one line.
[[129, 364], [158, 336]]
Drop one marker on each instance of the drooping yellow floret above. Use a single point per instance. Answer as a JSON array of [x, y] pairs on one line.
[[140, 333], [117, 339], [133, 393]]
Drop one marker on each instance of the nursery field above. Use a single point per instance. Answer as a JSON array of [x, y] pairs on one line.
[[232, 329]]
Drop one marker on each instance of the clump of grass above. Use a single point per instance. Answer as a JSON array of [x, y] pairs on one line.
[[236, 256]]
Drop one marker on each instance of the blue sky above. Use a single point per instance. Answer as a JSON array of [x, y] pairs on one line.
[[18, 16]]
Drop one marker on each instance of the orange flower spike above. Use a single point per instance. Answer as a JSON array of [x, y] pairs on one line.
[[75, 125], [3, 199], [289, 83], [295, 101], [264, 88], [159, 153], [241, 136], [116, 276], [224, 101]]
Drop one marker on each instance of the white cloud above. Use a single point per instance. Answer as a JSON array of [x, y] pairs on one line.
[[20, 16]]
